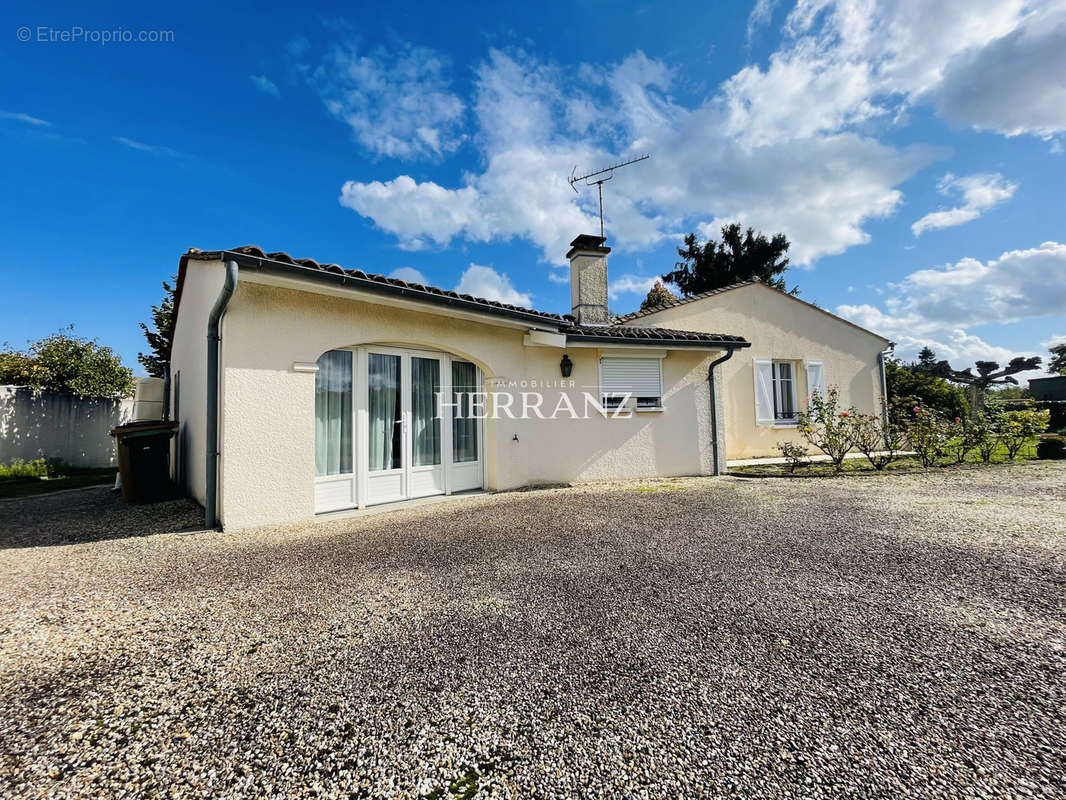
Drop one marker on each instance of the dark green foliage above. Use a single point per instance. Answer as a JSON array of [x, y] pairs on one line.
[[658, 295], [988, 375], [66, 363], [1057, 363], [740, 256], [909, 387], [156, 362], [926, 359], [1051, 446]]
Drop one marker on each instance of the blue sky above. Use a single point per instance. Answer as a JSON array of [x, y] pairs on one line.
[[911, 151]]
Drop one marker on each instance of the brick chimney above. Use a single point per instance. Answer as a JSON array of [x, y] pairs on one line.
[[588, 279]]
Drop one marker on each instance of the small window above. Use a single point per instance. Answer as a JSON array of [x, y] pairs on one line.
[[784, 392], [639, 378]]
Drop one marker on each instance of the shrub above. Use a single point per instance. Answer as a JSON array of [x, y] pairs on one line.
[[966, 436], [795, 455], [826, 427], [985, 428], [1051, 446], [880, 443], [1019, 428], [19, 469], [928, 435]]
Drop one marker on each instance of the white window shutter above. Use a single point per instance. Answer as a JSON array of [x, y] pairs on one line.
[[764, 391], [815, 379]]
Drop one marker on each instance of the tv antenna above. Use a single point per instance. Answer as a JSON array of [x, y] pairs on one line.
[[607, 173]]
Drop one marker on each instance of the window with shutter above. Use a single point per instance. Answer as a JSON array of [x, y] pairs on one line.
[[775, 392], [639, 378]]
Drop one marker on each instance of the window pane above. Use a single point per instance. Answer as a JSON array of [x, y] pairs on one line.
[[425, 424], [383, 386], [784, 405], [333, 413], [464, 429]]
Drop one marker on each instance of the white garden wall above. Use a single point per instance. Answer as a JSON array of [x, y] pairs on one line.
[[75, 429]]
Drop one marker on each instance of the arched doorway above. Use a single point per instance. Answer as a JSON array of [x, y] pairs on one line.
[[393, 424]]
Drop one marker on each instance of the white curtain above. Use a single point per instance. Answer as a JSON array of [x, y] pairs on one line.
[[464, 428], [383, 385], [333, 413], [425, 422]]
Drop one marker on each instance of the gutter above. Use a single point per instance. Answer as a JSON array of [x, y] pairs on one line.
[[214, 322], [672, 344], [714, 408]]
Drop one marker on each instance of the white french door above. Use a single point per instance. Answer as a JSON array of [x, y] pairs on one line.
[[381, 436]]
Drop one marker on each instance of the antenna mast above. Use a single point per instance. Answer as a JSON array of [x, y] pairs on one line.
[[608, 173]]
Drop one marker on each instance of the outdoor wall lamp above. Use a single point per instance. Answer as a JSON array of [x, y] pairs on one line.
[[566, 366]]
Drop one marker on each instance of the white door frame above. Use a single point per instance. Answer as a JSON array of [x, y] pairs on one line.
[[450, 475]]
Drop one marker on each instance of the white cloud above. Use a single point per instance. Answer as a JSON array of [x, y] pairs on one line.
[[1058, 338], [409, 274], [792, 145], [1014, 85], [819, 191], [979, 193], [630, 284], [18, 117], [559, 277], [264, 84], [486, 282], [760, 15], [398, 104], [154, 149], [935, 306]]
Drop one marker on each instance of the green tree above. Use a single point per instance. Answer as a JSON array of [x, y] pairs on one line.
[[740, 256], [908, 387], [156, 362], [658, 295], [1057, 363], [66, 363], [926, 359], [988, 375]]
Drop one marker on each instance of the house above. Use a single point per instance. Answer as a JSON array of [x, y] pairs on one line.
[[303, 388], [796, 347]]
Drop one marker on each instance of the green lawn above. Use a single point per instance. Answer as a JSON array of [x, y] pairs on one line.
[[67, 478], [853, 466]]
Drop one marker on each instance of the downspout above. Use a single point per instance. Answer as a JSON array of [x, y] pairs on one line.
[[214, 322], [714, 408]]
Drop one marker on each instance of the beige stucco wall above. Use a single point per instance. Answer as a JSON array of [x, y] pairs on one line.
[[779, 327], [188, 371], [267, 426]]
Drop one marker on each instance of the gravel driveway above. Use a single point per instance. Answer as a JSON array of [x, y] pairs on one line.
[[853, 637]]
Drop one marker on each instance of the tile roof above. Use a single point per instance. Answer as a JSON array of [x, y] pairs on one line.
[[563, 323], [625, 333], [684, 301], [703, 295], [371, 279]]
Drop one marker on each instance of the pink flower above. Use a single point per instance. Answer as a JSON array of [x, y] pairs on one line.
[[844, 413], [916, 409], [958, 419]]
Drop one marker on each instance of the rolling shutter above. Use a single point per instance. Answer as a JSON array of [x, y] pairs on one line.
[[640, 377], [815, 379], [764, 391]]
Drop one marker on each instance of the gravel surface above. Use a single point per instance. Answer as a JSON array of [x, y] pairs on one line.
[[899, 636]]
